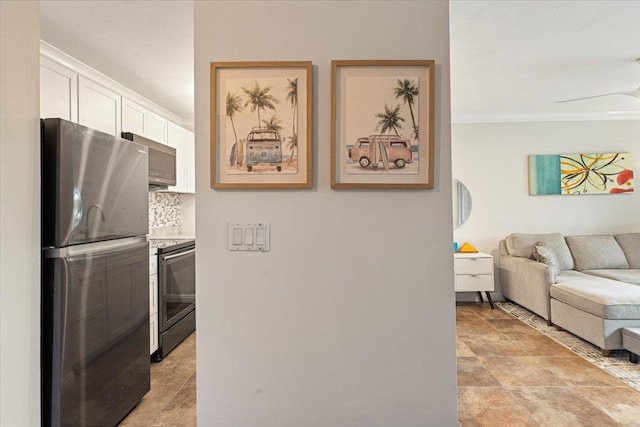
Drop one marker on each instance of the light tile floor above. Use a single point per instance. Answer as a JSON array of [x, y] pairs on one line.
[[508, 375], [172, 399], [511, 375]]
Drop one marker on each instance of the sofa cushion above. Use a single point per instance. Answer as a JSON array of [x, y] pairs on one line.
[[605, 298], [596, 252], [628, 275], [545, 255], [521, 245], [630, 244]]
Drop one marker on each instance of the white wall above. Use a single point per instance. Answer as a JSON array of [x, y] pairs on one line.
[[336, 325], [19, 214], [491, 160]]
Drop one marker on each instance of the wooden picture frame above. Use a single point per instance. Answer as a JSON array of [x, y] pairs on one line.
[[261, 125], [382, 124]]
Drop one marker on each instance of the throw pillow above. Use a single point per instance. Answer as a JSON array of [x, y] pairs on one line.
[[630, 244], [548, 257], [521, 245], [596, 252]]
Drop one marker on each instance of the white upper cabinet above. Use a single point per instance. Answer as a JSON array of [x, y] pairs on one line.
[[191, 163], [98, 107], [58, 91], [182, 140], [156, 127], [72, 91], [141, 121], [134, 117], [177, 138]]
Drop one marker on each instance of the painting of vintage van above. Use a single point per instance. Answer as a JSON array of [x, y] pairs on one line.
[[264, 147], [397, 151]]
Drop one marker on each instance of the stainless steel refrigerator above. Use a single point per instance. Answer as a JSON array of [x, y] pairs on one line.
[[95, 272]]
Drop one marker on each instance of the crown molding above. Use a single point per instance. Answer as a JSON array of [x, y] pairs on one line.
[[544, 117], [67, 61]]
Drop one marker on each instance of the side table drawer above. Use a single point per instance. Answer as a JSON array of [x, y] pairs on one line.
[[473, 265], [471, 282]]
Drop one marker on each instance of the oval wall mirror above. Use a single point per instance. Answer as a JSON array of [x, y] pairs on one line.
[[461, 203]]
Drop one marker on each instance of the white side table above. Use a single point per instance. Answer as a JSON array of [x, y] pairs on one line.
[[474, 273]]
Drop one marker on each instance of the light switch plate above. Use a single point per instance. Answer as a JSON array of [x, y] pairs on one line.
[[248, 236]]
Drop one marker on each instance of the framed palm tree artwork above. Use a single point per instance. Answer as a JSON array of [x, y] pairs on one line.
[[261, 125], [382, 115]]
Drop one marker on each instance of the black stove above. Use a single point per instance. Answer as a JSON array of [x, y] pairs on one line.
[[176, 292], [169, 245]]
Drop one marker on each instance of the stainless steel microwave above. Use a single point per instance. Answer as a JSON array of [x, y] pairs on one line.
[[162, 161]]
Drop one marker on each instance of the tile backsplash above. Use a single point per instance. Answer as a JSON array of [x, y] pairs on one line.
[[164, 210]]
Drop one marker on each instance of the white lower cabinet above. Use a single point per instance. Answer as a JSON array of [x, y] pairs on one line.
[[153, 333], [153, 292], [153, 303]]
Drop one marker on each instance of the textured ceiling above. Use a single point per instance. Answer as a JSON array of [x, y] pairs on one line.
[[515, 59], [510, 60], [145, 45]]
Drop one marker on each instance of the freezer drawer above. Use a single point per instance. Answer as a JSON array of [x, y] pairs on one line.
[[95, 325]]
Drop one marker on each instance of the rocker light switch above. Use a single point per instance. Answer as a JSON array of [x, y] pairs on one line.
[[260, 236], [251, 237], [237, 236], [248, 236]]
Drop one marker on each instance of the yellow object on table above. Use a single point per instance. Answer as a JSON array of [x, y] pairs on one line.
[[467, 248]]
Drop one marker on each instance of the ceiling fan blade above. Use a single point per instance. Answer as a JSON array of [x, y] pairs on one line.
[[634, 93]]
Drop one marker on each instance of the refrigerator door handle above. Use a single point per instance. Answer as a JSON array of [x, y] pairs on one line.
[[96, 248], [64, 309]]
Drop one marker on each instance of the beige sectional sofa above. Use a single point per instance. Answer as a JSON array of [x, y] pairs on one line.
[[594, 291]]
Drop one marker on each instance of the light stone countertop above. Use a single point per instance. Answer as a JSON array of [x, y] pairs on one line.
[[170, 233]]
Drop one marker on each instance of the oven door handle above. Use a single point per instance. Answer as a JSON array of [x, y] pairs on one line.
[[190, 251]]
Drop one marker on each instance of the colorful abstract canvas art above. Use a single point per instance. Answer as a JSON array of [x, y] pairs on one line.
[[573, 174]]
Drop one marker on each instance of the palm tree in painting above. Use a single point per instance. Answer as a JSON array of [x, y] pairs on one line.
[[233, 107], [408, 91], [390, 120], [292, 97], [259, 99], [273, 123]]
